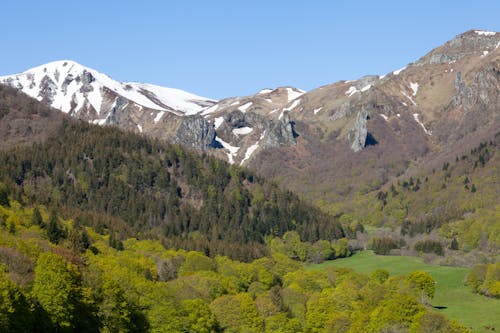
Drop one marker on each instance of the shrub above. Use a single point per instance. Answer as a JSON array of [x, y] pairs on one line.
[[429, 246], [384, 245]]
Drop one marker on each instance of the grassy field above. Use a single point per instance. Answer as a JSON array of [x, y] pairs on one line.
[[452, 297]]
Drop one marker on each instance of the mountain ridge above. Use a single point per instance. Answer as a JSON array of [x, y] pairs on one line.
[[331, 132]]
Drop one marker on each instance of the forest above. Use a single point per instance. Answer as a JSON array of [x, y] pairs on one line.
[[83, 282], [138, 187]]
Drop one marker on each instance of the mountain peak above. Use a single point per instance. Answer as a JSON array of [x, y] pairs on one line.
[[471, 42], [73, 88]]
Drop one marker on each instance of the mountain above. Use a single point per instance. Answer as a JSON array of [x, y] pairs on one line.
[[92, 96], [335, 142], [353, 137], [165, 113], [136, 186], [78, 90]]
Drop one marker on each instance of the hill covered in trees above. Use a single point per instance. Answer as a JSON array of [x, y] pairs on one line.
[[81, 283], [140, 187], [450, 208]]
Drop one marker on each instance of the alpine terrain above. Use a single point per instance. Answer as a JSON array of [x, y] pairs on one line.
[[129, 207]]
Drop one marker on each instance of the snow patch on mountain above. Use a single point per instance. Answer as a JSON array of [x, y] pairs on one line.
[[218, 121], [414, 87], [315, 111], [210, 110], [252, 149], [409, 97], [417, 119], [245, 107], [351, 91], [396, 72], [232, 150], [264, 91], [159, 116], [485, 33], [293, 106], [290, 108], [294, 93], [365, 88], [242, 130]]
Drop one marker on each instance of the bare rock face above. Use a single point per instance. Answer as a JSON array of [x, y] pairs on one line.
[[195, 132], [281, 134], [48, 90], [463, 98], [357, 134]]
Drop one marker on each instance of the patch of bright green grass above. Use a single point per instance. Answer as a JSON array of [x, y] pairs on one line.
[[452, 297]]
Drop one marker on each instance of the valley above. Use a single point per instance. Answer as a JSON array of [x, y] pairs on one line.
[[369, 205]]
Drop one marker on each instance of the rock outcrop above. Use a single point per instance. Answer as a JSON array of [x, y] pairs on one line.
[[195, 132], [357, 134], [282, 133]]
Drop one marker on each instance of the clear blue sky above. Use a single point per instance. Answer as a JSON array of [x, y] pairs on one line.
[[230, 48]]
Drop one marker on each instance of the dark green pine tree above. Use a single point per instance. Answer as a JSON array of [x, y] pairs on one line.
[[54, 230], [454, 244], [4, 195], [36, 218]]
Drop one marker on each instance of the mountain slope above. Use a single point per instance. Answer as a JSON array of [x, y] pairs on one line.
[[145, 188], [334, 142], [94, 97], [355, 136]]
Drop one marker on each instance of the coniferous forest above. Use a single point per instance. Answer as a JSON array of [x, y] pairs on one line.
[[138, 187]]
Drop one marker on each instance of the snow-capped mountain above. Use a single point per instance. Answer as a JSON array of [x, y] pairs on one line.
[[73, 88], [165, 113]]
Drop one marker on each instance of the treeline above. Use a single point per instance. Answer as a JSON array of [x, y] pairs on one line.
[[485, 279], [384, 245], [142, 287], [292, 247], [141, 187]]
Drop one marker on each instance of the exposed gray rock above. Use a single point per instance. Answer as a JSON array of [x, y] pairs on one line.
[[87, 79], [357, 135], [47, 90], [195, 132], [366, 80], [114, 116], [486, 86], [282, 133], [464, 94], [277, 133], [343, 111]]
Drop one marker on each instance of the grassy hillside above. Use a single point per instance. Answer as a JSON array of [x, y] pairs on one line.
[[452, 296]]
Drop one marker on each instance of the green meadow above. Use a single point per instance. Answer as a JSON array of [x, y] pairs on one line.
[[452, 296]]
